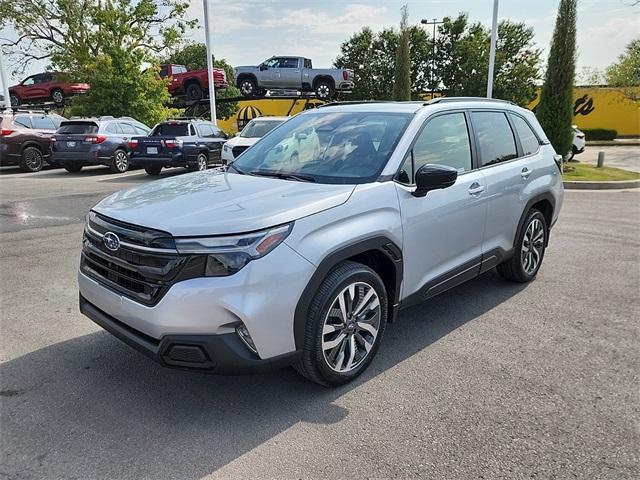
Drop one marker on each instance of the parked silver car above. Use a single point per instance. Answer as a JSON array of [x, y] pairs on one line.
[[292, 73], [304, 261]]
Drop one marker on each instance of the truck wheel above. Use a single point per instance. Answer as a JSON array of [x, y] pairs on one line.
[[31, 160], [57, 96], [120, 162], [155, 171], [324, 90], [15, 100], [248, 87], [194, 91]]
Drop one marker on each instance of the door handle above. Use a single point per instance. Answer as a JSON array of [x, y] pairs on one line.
[[476, 189], [525, 172]]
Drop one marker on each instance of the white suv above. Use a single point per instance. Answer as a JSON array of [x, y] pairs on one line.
[[303, 261]]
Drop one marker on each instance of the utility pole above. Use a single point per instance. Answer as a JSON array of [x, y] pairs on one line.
[[492, 52], [5, 83], [434, 22], [207, 41]]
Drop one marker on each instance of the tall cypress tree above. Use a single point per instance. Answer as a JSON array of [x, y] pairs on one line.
[[555, 110], [402, 73]]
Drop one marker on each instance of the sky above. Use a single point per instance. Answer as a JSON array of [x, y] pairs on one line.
[[246, 32]]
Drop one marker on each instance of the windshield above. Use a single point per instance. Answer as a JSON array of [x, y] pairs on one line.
[[171, 130], [259, 128], [332, 147]]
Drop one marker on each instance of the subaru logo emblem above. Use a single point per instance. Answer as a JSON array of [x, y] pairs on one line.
[[111, 241]]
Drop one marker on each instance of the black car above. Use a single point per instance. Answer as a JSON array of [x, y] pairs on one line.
[[95, 141], [191, 143]]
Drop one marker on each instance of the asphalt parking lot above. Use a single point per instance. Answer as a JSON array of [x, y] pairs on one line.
[[490, 380]]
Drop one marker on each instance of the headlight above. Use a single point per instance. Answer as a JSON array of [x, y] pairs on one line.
[[226, 148], [228, 254]]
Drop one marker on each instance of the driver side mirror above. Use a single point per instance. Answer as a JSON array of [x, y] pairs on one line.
[[263, 67], [433, 177]]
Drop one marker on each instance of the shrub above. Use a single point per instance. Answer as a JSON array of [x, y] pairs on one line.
[[600, 134]]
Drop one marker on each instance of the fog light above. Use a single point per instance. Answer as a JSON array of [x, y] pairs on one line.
[[243, 333]]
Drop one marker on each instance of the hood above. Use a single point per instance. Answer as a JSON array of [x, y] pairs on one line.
[[216, 203], [242, 141]]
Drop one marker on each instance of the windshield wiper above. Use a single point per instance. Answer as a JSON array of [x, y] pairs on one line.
[[285, 176]]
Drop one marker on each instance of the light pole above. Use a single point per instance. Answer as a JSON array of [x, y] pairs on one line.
[[207, 41], [434, 22], [5, 84], [492, 52]]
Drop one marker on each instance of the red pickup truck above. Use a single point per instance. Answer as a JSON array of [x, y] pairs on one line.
[[43, 87], [192, 83]]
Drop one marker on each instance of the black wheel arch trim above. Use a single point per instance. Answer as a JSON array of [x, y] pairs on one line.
[[532, 201], [380, 244]]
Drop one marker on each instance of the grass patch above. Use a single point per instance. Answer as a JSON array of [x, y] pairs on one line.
[[587, 172]]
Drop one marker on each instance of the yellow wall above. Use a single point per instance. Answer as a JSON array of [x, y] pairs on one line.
[[599, 107], [275, 106]]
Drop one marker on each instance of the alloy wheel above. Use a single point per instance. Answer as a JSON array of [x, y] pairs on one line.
[[121, 161], [532, 246], [351, 327], [246, 87], [323, 91], [33, 159], [57, 96], [202, 162]]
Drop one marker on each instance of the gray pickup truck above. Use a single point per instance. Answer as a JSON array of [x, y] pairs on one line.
[[292, 73]]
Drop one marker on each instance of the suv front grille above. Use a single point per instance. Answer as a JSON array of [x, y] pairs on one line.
[[238, 150], [135, 270]]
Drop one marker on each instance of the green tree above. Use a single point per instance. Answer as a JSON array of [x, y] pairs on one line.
[[625, 73], [194, 57], [402, 70], [555, 110], [102, 42], [463, 60]]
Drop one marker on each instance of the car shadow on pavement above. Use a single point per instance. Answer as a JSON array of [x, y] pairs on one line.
[[91, 407]]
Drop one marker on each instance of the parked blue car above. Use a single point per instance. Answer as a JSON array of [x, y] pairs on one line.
[[95, 141]]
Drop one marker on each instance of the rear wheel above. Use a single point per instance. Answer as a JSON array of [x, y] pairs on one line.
[[57, 96], [153, 170], [120, 162], [31, 160], [73, 168], [529, 250], [324, 90], [202, 162], [194, 91], [345, 324]]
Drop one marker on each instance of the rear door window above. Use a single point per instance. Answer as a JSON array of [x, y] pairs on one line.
[[528, 139], [112, 128], [127, 128], [495, 137], [78, 128], [23, 121], [43, 123]]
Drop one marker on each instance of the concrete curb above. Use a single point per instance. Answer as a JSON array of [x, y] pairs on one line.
[[614, 185], [613, 143]]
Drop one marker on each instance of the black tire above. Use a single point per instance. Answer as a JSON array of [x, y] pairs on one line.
[[324, 90], [194, 91], [571, 154], [248, 87], [57, 96], [314, 365], [514, 269], [155, 171], [32, 160], [73, 167], [119, 162], [15, 100]]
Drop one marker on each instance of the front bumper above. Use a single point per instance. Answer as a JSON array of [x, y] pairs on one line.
[[221, 354], [226, 156], [263, 296], [144, 161]]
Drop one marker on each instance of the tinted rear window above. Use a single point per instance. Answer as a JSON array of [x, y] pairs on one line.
[[79, 128], [171, 130]]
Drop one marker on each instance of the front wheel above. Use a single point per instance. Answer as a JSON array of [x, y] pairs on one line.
[[345, 324], [57, 96], [15, 100], [248, 87], [120, 162], [529, 250]]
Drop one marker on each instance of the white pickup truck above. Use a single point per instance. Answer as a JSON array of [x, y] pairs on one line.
[[292, 73]]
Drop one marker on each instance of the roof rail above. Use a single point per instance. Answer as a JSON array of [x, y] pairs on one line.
[[465, 99], [25, 110], [354, 102], [187, 118]]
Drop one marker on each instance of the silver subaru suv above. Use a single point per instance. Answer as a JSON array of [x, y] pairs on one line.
[[317, 236]]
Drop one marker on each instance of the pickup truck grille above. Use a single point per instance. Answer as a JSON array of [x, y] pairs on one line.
[[238, 150], [135, 270]]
